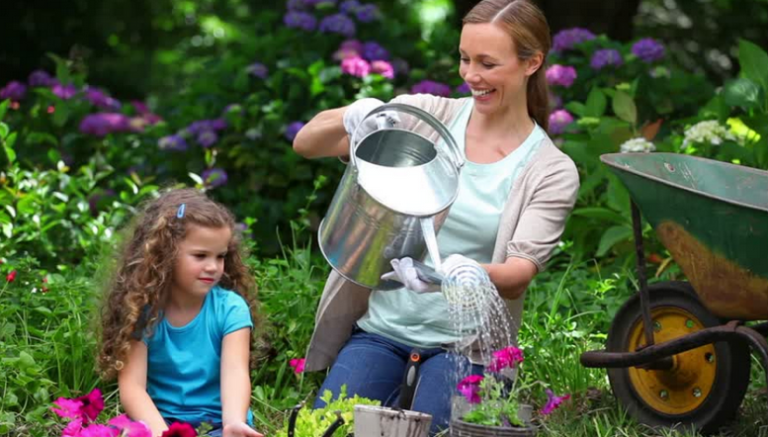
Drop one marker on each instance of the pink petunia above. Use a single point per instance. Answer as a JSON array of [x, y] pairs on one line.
[[180, 429], [68, 408], [92, 404], [133, 429], [95, 430], [297, 364], [73, 428], [505, 358], [469, 387], [553, 402]]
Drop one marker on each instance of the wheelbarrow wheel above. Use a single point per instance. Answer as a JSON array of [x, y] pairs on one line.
[[706, 385]]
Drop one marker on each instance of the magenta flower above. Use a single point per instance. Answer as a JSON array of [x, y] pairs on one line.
[[297, 364], [179, 429], [92, 404], [73, 428], [64, 92], [431, 87], [553, 402], [103, 123], [505, 358], [14, 90], [559, 120], [67, 408], [383, 68], [99, 431], [469, 387], [355, 66], [133, 429], [561, 75]]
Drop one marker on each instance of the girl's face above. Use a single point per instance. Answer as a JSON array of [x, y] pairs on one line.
[[491, 68], [200, 260]]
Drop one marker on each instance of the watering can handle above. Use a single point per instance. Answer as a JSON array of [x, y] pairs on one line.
[[419, 113]]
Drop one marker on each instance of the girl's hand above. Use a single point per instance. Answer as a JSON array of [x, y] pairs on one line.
[[240, 429]]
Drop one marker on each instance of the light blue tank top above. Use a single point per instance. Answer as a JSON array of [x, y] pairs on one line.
[[422, 319]]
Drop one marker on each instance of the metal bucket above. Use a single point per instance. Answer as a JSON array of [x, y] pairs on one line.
[[374, 421], [395, 179]]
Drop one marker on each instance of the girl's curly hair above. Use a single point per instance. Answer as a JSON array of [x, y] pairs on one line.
[[141, 283]]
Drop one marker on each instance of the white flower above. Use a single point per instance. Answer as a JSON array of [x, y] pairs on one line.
[[637, 145], [707, 132]]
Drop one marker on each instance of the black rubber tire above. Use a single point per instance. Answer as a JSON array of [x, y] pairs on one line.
[[731, 377]]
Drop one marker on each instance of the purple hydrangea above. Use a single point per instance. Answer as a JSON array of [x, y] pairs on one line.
[[431, 87], [372, 51], [258, 69], [383, 68], [300, 20], [41, 78], [555, 101], [558, 121], [463, 89], [175, 143], [648, 50], [355, 66], [103, 123], [99, 99], [349, 6], [348, 49], [367, 13], [604, 58], [319, 2], [64, 92], [292, 129], [214, 177], [199, 126], [14, 90], [207, 138], [296, 5], [561, 75], [566, 39], [401, 67], [338, 23]]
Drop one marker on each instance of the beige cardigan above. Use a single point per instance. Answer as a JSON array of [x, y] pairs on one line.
[[530, 227]]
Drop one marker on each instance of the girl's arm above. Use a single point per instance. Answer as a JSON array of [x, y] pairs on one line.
[[512, 277], [132, 383], [236, 384], [323, 136]]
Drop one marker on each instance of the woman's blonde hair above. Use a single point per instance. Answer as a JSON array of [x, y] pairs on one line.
[[526, 25], [141, 283]]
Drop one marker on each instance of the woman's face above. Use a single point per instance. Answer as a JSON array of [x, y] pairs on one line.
[[491, 68]]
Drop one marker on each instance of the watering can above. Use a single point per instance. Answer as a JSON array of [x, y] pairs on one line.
[[397, 178]]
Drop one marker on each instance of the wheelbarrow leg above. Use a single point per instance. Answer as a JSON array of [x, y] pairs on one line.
[[645, 303]]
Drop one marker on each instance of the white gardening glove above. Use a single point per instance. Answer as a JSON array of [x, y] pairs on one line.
[[454, 261], [405, 273], [356, 112]]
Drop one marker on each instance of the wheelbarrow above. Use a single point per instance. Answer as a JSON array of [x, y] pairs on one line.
[[679, 352]]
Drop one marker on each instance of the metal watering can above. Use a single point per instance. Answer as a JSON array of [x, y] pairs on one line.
[[397, 178]]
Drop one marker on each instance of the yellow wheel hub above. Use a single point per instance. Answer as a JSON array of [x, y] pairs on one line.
[[687, 384]]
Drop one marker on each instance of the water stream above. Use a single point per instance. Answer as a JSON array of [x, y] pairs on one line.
[[430, 238]]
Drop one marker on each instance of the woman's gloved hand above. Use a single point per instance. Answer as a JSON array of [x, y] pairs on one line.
[[405, 273], [356, 112], [456, 260]]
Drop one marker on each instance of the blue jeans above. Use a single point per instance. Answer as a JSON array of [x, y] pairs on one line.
[[372, 366]]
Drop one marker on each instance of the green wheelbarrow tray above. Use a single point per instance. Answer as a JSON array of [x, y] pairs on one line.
[[713, 218]]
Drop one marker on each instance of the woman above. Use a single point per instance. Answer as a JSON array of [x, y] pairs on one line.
[[516, 190]]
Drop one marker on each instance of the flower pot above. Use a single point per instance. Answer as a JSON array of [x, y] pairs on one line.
[[459, 428], [374, 421]]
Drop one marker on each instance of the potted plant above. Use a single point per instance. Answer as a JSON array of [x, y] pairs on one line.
[[493, 399]]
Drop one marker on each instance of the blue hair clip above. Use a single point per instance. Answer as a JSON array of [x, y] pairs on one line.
[[180, 212]]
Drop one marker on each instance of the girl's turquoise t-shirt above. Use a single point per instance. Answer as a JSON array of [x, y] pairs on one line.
[[422, 319], [184, 363]]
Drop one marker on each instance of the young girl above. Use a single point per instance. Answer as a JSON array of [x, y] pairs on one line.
[[177, 323]]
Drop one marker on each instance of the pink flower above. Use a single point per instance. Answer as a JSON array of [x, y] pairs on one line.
[[179, 429], [356, 66], [470, 388], [92, 404], [563, 75], [553, 402], [11, 276], [73, 429], [297, 364], [133, 429], [99, 431], [68, 408], [383, 68], [505, 358]]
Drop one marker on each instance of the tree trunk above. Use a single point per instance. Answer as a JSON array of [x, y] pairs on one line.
[[611, 17]]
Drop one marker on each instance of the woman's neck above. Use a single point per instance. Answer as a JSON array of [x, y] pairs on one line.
[[491, 137]]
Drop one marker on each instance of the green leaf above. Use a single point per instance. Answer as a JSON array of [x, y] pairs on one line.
[[577, 108], [4, 129], [624, 107], [41, 138], [611, 237], [61, 115], [10, 141], [10, 154], [742, 92], [599, 213], [616, 195], [596, 103], [4, 107], [754, 63]]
